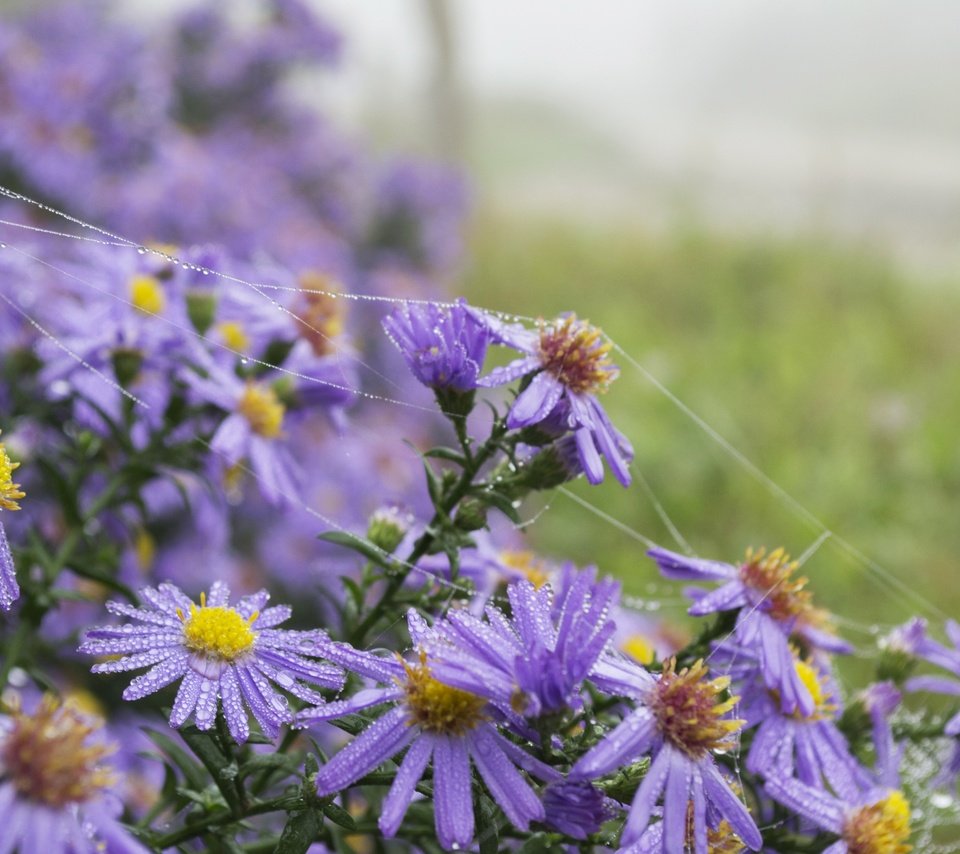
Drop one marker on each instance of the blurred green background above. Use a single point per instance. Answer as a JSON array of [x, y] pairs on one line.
[[837, 375]]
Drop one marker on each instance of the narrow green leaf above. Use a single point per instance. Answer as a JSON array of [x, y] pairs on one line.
[[300, 832], [360, 545], [338, 815]]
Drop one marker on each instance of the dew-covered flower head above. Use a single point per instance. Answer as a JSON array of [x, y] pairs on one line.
[[439, 724], [444, 345], [229, 655], [567, 364], [55, 782]]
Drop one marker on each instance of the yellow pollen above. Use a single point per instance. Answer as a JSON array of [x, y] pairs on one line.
[[218, 632], [814, 683], [260, 406], [577, 354], [880, 828], [437, 707], [47, 758], [772, 575], [639, 648], [531, 567], [234, 335], [146, 293], [10, 492], [689, 713], [723, 840]]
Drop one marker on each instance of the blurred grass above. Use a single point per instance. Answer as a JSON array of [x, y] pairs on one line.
[[838, 375]]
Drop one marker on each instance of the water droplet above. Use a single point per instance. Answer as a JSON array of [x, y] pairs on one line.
[[941, 800]]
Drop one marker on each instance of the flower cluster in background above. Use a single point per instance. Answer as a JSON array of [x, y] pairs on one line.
[[262, 388]]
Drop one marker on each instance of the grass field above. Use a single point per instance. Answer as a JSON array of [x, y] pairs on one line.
[[837, 375]]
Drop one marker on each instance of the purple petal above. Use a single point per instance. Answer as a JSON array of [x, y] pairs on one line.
[[504, 782], [186, 698], [621, 746], [679, 567], [233, 708], [647, 796], [536, 401], [452, 801], [384, 738], [404, 785], [158, 677], [730, 806]]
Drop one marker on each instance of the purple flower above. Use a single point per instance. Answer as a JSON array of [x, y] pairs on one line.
[[773, 605], [680, 722], [942, 656], [878, 821], [434, 722], [444, 345], [575, 807], [220, 652], [534, 661], [252, 431], [805, 745], [10, 494], [568, 360], [55, 791]]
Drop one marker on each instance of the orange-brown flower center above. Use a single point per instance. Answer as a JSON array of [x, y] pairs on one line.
[[689, 711], [47, 758], [577, 354], [437, 707]]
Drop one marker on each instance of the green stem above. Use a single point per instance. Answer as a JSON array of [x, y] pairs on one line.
[[422, 546], [212, 822]]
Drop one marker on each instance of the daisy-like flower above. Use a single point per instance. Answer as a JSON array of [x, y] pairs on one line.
[[444, 345], [805, 745], [534, 661], [436, 723], [226, 654], [774, 606], [252, 431], [569, 361], [877, 822], [681, 721], [10, 494], [56, 792]]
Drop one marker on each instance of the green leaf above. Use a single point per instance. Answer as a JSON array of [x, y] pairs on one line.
[[361, 545], [338, 815], [191, 771], [289, 762], [488, 826], [451, 454], [221, 767], [300, 832]]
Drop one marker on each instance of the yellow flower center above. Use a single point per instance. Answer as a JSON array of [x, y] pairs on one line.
[[218, 632], [146, 293], [639, 648], [531, 567], [260, 406], [10, 492], [880, 828], [234, 335], [688, 712], [721, 839], [321, 313], [814, 683], [577, 354], [46, 757], [437, 707]]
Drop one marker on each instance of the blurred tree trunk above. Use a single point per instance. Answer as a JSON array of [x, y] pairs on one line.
[[445, 96]]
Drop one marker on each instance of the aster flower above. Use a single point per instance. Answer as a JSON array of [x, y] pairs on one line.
[[252, 431], [222, 653], [568, 361], [773, 606], [435, 722], [805, 745], [877, 822], [534, 661], [680, 721], [443, 345], [56, 792], [10, 494]]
